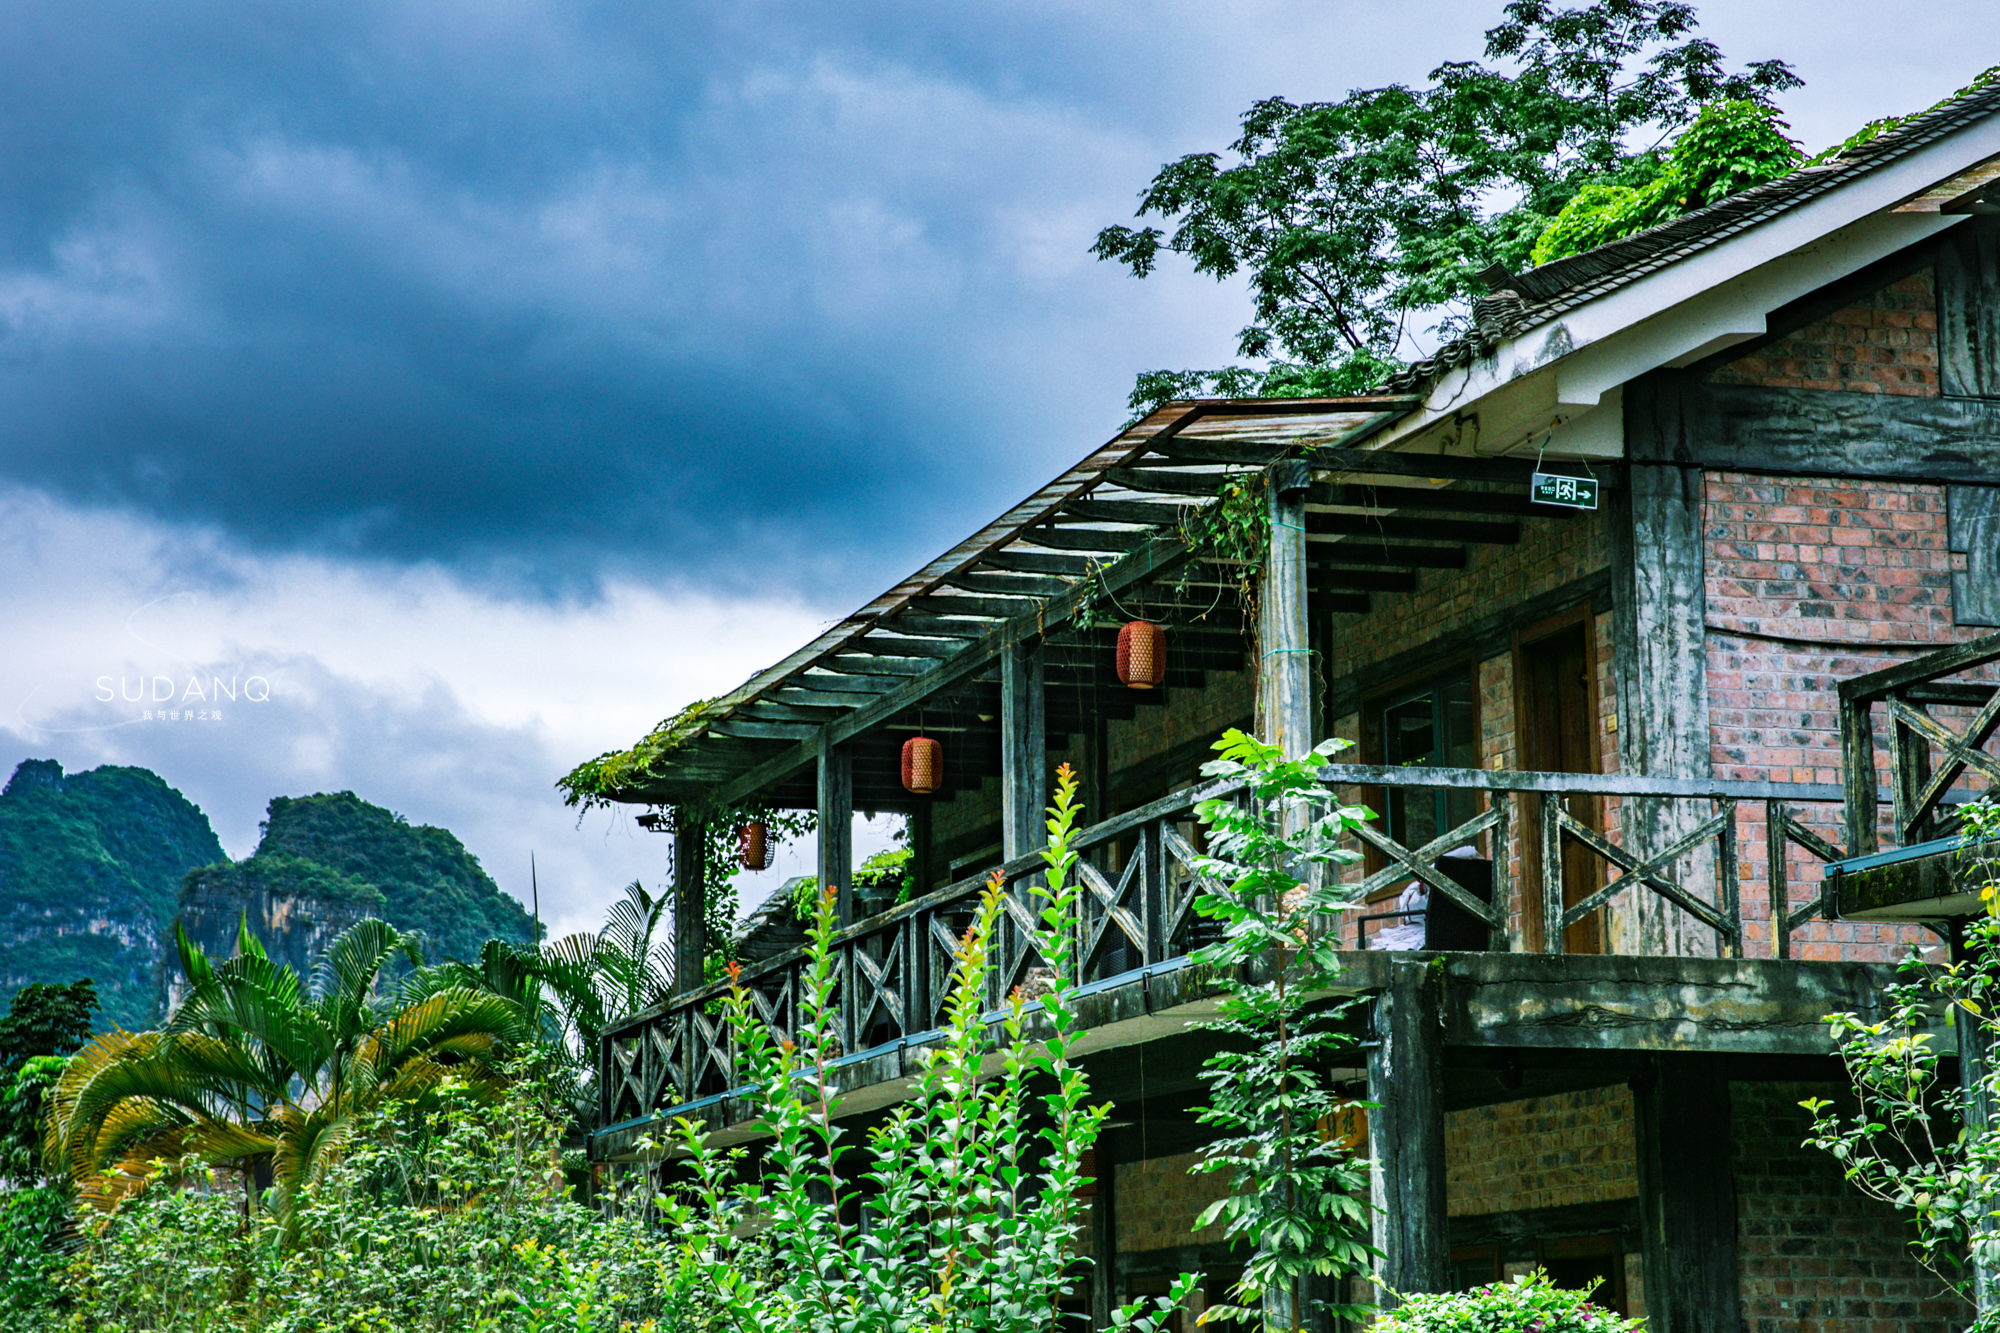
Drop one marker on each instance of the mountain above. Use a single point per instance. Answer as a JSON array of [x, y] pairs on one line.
[[90, 865], [328, 860]]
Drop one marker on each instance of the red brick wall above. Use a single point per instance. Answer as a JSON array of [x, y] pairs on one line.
[[1541, 1152], [1811, 581], [1884, 344], [1813, 1254]]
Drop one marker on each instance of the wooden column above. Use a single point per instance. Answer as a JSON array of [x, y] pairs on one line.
[[1104, 1237], [1284, 674], [690, 899], [1024, 759], [836, 825], [1406, 1131], [1660, 647], [1687, 1196]]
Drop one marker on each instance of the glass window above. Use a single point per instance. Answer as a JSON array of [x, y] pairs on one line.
[[1434, 726]]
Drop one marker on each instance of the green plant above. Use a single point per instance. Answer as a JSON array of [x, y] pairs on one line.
[[890, 869], [1923, 1147], [1295, 1194], [1362, 224], [971, 1208], [1528, 1304], [44, 1024], [447, 1219], [257, 1074], [1730, 147]]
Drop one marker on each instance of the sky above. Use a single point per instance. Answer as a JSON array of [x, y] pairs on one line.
[[456, 389]]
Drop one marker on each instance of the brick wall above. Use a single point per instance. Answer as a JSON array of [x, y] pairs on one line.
[[1542, 1152], [1813, 1254], [1226, 699], [1811, 581], [1884, 344], [1159, 1199]]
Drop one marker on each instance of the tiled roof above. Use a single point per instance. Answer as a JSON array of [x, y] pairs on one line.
[[1541, 294]]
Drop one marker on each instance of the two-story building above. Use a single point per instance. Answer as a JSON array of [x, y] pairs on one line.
[[1584, 590]]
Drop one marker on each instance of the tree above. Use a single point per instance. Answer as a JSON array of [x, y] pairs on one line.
[[257, 1073], [1295, 1194], [43, 1025], [1363, 223]]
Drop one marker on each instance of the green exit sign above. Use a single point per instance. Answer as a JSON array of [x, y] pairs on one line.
[[1571, 492]]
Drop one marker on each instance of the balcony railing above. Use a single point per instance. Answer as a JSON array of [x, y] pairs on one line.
[[1139, 881]]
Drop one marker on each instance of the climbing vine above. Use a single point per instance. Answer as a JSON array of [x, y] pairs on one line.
[[594, 782]]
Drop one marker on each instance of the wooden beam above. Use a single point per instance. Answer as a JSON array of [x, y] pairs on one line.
[[1447, 501], [1687, 1196], [866, 664], [1011, 585], [1284, 671], [1024, 757], [1159, 481], [690, 903], [1678, 421], [839, 684], [1406, 1132], [943, 627], [1968, 297], [751, 729], [968, 604], [1329, 550], [836, 824], [821, 698], [1363, 462], [1420, 529], [932, 651], [1130, 511], [1040, 562], [1086, 539], [766, 710]]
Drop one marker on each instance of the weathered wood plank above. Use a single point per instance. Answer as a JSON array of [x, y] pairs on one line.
[[1086, 539], [1330, 550], [1968, 296], [1676, 420], [1419, 529], [1972, 521], [1406, 1130], [690, 937], [1012, 585], [1687, 1197], [1284, 671], [836, 823], [1023, 751]]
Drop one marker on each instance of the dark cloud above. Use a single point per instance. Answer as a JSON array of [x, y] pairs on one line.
[[539, 291]]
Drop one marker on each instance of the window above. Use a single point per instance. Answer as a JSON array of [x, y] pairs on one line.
[[1435, 726]]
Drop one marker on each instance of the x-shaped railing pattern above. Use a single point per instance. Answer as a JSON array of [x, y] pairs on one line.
[[1724, 916]]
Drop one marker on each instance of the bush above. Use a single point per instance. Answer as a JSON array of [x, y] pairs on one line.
[[454, 1220], [1529, 1304]]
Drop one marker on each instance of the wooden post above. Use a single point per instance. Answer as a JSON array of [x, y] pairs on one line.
[[1660, 649], [1284, 673], [1857, 773], [1406, 1130], [1687, 1196], [836, 826], [690, 902], [1104, 1237], [1778, 872], [1024, 760]]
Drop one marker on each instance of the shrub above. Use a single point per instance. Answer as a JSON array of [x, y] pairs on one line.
[[1529, 1304]]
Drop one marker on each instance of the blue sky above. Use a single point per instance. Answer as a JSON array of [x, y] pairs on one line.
[[496, 377]]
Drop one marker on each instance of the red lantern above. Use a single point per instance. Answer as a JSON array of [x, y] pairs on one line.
[[753, 846], [923, 765], [1142, 655]]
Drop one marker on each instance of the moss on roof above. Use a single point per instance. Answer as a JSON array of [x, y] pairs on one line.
[[613, 775]]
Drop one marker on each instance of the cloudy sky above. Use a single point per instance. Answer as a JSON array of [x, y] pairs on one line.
[[489, 379]]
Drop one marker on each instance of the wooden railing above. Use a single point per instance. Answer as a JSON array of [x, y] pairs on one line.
[[1927, 758], [1139, 880]]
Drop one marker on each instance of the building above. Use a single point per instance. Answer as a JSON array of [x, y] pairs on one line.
[[1637, 590]]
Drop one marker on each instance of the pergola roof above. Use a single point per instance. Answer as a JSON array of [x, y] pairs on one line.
[[1118, 520]]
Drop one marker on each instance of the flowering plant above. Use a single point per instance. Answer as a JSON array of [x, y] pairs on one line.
[[1531, 1303]]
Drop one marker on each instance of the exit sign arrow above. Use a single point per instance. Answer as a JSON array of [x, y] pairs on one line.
[[1552, 488]]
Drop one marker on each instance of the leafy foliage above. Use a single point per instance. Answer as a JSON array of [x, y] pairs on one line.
[[451, 1220], [43, 1025], [1295, 1194], [1921, 1146], [1531, 1302], [971, 1207], [257, 1073], [106, 845], [1874, 129], [1730, 147], [594, 782], [1362, 224]]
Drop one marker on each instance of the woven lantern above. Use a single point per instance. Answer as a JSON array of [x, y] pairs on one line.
[[1142, 655], [923, 765], [753, 845]]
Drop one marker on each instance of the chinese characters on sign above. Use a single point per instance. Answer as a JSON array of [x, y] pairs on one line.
[[182, 715], [1553, 488]]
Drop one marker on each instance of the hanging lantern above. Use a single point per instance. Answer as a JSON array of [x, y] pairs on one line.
[[1142, 655], [753, 845], [923, 765]]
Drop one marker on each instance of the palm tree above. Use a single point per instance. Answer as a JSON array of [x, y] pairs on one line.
[[257, 1073], [595, 980]]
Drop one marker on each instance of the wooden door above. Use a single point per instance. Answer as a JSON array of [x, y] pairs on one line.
[[1557, 733]]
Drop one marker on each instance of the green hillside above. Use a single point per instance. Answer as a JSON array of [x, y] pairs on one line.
[[428, 881], [90, 866]]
